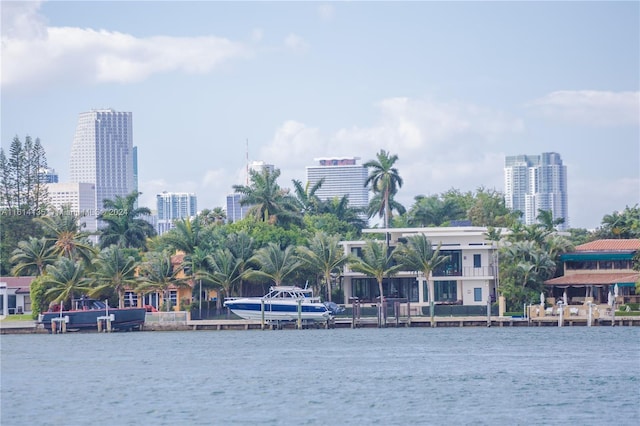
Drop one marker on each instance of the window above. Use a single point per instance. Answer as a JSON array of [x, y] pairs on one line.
[[477, 294], [130, 299], [477, 263], [445, 291]]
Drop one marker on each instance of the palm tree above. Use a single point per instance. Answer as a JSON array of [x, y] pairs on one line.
[[325, 256], [339, 207], [384, 179], [64, 231], [225, 271], [379, 207], [274, 263], [32, 256], [212, 217], [64, 280], [124, 227], [159, 274], [378, 263], [241, 246], [269, 203], [546, 220], [115, 271], [417, 254], [306, 198]]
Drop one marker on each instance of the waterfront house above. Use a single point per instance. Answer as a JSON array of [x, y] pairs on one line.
[[592, 270], [15, 295], [469, 278]]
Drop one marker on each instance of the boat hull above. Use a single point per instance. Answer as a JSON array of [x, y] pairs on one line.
[[278, 311], [123, 319]]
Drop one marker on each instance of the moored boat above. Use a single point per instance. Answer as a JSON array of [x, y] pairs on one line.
[[282, 303], [86, 313]]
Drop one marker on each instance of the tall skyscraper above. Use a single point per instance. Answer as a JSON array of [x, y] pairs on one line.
[[102, 153], [537, 182], [172, 206], [342, 176]]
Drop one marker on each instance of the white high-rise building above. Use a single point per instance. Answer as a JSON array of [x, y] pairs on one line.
[[172, 206], [536, 182], [342, 176], [102, 153], [80, 198]]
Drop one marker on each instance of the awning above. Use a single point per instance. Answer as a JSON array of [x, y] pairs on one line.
[[622, 279], [581, 257]]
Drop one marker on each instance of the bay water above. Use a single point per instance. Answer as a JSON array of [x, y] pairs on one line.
[[417, 376]]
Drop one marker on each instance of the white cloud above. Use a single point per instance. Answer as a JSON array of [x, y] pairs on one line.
[[590, 107], [34, 54], [257, 35], [296, 43], [439, 145], [326, 11]]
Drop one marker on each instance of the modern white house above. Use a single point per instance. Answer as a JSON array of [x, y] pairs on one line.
[[469, 277]]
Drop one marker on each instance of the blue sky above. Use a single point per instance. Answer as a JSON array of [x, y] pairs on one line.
[[450, 87]]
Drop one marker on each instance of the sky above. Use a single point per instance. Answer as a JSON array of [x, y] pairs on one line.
[[451, 88]]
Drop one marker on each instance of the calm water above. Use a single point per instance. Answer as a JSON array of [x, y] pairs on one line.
[[504, 376]]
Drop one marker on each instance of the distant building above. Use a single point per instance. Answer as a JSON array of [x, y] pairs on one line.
[[342, 176], [102, 153], [235, 211], [172, 206], [81, 200], [48, 175], [537, 182]]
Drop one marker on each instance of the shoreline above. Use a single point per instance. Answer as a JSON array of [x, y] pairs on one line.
[[32, 327]]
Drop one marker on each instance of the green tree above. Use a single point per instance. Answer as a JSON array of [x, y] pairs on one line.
[[306, 198], [324, 256], [269, 203], [217, 216], [385, 180], [22, 186], [417, 254], [376, 262], [32, 257], [625, 224], [65, 279], [546, 220], [124, 226], [63, 230], [242, 247], [226, 271], [274, 264], [115, 270], [158, 273], [340, 208]]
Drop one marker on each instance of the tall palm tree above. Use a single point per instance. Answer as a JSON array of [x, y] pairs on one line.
[[269, 203], [378, 206], [274, 263], [378, 263], [115, 270], [32, 256], [64, 280], [158, 273], [63, 229], [124, 227], [212, 217], [324, 256], [384, 179], [417, 254]]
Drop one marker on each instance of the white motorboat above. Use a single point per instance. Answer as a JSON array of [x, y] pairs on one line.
[[282, 303]]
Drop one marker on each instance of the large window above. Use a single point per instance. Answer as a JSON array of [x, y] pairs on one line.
[[445, 291], [477, 261], [451, 268], [477, 294]]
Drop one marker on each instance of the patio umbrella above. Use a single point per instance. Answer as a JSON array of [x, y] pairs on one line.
[[564, 297], [615, 290], [609, 299], [541, 298]]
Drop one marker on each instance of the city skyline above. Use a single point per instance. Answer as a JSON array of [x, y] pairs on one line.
[[451, 88]]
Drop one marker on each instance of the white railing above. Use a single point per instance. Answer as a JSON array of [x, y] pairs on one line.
[[172, 317]]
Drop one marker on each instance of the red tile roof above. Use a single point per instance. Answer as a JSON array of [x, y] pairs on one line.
[[610, 245], [595, 279], [17, 282]]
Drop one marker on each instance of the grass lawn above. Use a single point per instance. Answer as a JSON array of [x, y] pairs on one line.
[[22, 317]]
